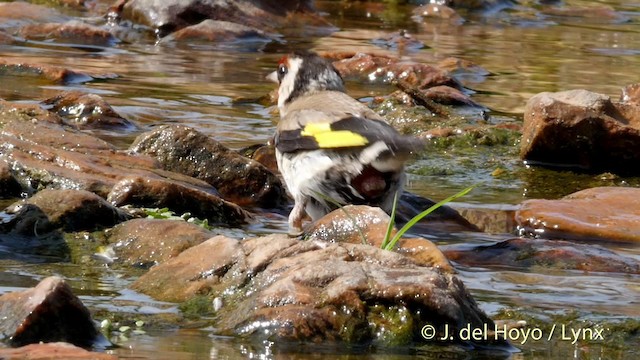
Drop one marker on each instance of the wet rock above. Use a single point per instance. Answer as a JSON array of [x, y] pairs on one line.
[[195, 271], [279, 288], [53, 351], [217, 31], [387, 69], [74, 210], [86, 111], [55, 74], [146, 242], [545, 254], [6, 38], [491, 220], [596, 214], [264, 154], [187, 151], [631, 94], [25, 219], [157, 193], [401, 41], [10, 187], [594, 13], [169, 16], [49, 312], [431, 11], [581, 129], [44, 153], [20, 12], [74, 32], [360, 224]]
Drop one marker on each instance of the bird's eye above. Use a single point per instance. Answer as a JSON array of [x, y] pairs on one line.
[[282, 71]]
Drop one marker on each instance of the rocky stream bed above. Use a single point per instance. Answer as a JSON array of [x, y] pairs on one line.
[[130, 215]]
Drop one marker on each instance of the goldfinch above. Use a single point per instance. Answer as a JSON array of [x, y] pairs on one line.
[[330, 148]]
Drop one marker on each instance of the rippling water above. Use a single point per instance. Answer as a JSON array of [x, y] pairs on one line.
[[527, 49]]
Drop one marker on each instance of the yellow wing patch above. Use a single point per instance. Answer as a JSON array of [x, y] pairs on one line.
[[327, 138]]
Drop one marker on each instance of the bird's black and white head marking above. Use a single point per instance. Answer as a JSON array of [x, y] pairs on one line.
[[303, 73]]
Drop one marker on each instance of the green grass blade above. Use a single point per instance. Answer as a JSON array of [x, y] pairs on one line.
[[392, 222], [419, 217]]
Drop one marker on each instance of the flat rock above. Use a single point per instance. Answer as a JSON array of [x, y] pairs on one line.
[[169, 16], [53, 351], [49, 312], [581, 129], [237, 178], [217, 31], [596, 214], [146, 242], [537, 254], [159, 193], [43, 152], [279, 288], [73, 210], [74, 32], [51, 73]]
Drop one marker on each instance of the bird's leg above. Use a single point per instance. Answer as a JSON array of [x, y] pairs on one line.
[[296, 216]]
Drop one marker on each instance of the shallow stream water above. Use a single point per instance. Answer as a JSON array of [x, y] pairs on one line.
[[216, 89]]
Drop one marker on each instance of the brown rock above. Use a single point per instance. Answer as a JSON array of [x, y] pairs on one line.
[[86, 111], [597, 214], [447, 95], [187, 151], [169, 16], [10, 187], [73, 210], [631, 94], [545, 254], [371, 67], [279, 288], [157, 193], [356, 224], [44, 153], [368, 225], [52, 351], [581, 129], [436, 11], [55, 74], [265, 155], [74, 32], [49, 312], [27, 12], [194, 271], [146, 242], [217, 31]]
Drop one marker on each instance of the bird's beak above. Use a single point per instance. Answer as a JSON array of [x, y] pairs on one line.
[[273, 77]]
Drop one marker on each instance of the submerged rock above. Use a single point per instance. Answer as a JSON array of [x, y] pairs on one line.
[[217, 31], [582, 129], [146, 242], [238, 179], [49, 312], [52, 73], [74, 32], [596, 214], [545, 254], [74, 210], [279, 288], [169, 16], [53, 351]]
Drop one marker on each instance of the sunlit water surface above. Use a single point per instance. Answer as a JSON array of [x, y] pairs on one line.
[[216, 89]]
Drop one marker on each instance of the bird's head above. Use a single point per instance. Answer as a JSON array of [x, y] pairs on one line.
[[303, 73]]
